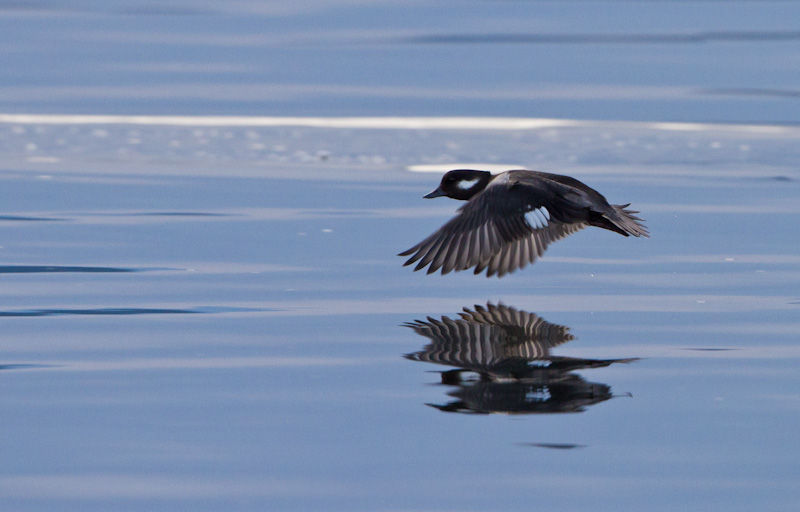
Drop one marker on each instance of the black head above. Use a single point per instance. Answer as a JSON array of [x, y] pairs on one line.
[[461, 184]]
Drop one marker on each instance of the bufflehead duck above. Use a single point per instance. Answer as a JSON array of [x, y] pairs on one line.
[[510, 218]]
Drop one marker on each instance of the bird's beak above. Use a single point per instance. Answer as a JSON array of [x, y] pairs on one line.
[[436, 193]]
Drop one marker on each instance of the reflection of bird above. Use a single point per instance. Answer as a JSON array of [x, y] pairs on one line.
[[509, 350], [570, 394], [510, 218], [488, 339]]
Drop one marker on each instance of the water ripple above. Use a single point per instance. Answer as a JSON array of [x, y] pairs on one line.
[[54, 269], [128, 311], [20, 218], [642, 38], [96, 311]]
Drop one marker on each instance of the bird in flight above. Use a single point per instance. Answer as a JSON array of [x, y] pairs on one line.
[[510, 218]]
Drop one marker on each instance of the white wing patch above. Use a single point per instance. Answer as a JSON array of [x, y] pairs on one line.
[[467, 184], [538, 218]]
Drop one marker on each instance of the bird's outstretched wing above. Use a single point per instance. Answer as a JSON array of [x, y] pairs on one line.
[[502, 229]]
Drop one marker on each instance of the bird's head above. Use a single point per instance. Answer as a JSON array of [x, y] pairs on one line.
[[461, 184]]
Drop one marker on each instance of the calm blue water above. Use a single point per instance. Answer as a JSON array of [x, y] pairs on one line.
[[654, 60], [213, 317]]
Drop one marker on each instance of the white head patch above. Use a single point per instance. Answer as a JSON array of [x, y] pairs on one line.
[[467, 184], [538, 218]]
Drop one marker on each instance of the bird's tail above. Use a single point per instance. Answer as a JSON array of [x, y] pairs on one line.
[[625, 222]]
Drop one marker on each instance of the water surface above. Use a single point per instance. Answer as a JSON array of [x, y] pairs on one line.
[[201, 305], [601, 59], [216, 318]]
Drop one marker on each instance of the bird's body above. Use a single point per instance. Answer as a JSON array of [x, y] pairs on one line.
[[510, 218]]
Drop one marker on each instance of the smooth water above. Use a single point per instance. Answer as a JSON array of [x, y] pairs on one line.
[[666, 60], [208, 313], [229, 331]]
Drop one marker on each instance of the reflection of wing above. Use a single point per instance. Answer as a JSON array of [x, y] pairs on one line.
[[487, 338], [529, 336]]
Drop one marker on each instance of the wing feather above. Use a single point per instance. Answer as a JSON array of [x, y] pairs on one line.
[[490, 232]]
